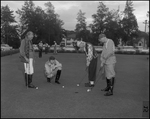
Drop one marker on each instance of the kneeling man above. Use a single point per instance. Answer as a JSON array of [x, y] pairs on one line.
[[53, 69]]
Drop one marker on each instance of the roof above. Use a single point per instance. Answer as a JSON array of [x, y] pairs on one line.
[[73, 36]]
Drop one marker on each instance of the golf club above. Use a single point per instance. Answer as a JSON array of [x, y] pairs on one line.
[[83, 76], [90, 89], [27, 75]]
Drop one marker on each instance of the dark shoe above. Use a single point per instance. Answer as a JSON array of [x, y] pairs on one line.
[[109, 93], [57, 82], [31, 86], [48, 80], [91, 85]]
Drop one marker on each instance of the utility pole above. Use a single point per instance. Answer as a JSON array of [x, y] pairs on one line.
[[145, 24], [145, 30]]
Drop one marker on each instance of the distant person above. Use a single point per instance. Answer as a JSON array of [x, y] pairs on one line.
[[55, 47], [46, 48], [108, 60], [40, 49], [53, 69], [27, 52]]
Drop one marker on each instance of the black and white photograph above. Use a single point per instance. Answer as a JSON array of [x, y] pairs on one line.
[[75, 59]]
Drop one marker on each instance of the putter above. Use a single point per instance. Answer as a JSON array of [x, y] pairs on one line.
[[90, 89], [27, 76], [83, 77]]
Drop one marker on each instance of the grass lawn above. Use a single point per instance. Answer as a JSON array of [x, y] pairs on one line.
[[51, 100]]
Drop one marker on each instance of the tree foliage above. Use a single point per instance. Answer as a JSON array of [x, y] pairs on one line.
[[129, 23], [105, 21], [81, 28], [8, 31], [46, 24]]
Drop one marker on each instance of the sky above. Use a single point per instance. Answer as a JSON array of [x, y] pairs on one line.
[[68, 10]]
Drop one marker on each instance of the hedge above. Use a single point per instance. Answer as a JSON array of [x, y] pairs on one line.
[[9, 52], [117, 52]]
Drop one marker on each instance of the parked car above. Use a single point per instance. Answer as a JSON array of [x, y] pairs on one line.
[[5, 47], [128, 48], [145, 50]]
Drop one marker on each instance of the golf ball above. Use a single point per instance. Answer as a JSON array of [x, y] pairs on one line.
[[77, 84], [88, 90], [63, 86]]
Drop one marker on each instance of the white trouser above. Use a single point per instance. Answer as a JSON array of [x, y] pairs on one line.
[[29, 67]]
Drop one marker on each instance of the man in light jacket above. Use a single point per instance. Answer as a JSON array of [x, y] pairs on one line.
[[108, 61], [53, 69]]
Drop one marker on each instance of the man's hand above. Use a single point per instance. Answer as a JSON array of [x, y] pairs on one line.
[[102, 64], [27, 59], [87, 63]]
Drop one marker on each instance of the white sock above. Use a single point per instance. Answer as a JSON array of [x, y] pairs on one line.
[[92, 82]]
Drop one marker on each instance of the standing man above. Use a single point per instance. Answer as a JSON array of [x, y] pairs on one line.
[[108, 60], [55, 47], [27, 51], [40, 49], [53, 69], [91, 61], [46, 48]]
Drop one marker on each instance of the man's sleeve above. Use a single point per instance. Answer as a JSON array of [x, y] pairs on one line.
[[90, 53], [22, 48], [58, 64]]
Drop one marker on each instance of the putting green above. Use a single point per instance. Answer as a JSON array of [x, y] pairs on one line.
[[51, 100]]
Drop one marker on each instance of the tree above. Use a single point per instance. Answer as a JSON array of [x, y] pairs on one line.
[[9, 33], [53, 24], [99, 22], [44, 23], [81, 31], [100, 19], [6, 19], [112, 25], [27, 21], [129, 23], [106, 21]]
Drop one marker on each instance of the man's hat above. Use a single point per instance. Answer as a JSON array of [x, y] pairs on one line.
[[101, 36]]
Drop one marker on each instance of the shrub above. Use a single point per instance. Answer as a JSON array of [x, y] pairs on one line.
[[9, 52], [137, 52]]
